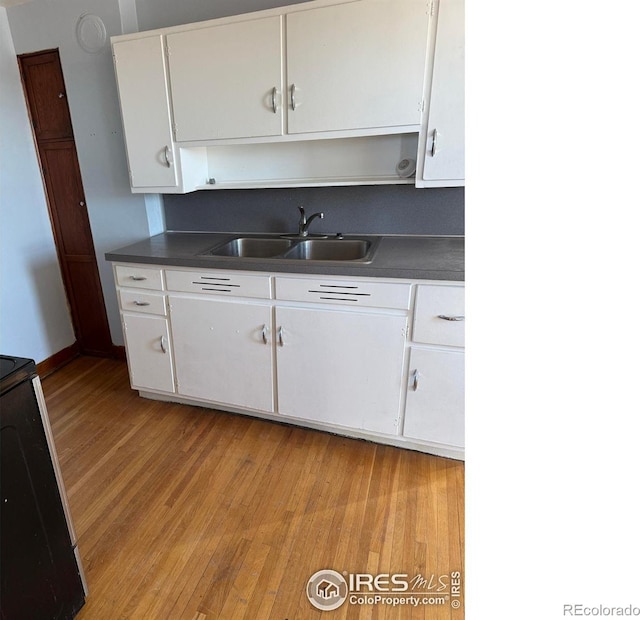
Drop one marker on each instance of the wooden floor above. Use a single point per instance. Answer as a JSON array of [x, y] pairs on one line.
[[189, 513]]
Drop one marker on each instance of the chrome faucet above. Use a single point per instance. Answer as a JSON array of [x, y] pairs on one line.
[[303, 224]]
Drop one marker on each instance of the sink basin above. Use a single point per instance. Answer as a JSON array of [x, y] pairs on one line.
[[330, 249], [280, 248], [252, 247]]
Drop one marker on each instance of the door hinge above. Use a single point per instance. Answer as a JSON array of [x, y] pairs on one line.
[[432, 8]]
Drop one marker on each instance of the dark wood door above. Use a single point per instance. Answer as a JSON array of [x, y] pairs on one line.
[[46, 96]]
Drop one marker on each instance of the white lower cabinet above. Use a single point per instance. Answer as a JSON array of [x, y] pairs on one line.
[[380, 359], [148, 352], [434, 411], [342, 368], [435, 397], [222, 351]]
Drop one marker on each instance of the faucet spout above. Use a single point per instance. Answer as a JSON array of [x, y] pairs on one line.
[[304, 223]]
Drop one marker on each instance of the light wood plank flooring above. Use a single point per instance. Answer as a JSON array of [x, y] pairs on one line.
[[189, 513]]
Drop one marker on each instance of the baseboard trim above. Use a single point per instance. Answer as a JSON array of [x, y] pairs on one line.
[[58, 360], [119, 353]]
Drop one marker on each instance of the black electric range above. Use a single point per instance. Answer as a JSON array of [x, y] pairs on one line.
[[40, 570]]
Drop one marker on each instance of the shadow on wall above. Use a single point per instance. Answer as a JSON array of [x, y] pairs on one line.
[[382, 209], [50, 302]]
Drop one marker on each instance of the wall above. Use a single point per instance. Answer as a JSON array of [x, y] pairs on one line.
[[117, 217], [163, 13], [34, 317], [390, 209]]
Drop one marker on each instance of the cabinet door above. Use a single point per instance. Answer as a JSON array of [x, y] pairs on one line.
[[223, 80], [341, 368], [148, 352], [47, 96], [223, 351], [435, 397], [444, 155], [144, 102], [357, 65]]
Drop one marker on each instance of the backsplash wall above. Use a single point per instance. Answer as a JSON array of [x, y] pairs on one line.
[[380, 209]]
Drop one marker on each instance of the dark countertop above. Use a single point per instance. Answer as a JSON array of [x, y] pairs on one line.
[[419, 257]]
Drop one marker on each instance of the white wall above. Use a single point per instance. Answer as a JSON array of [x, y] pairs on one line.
[[117, 217], [163, 13], [34, 316]]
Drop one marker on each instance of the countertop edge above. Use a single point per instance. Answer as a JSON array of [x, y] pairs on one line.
[[395, 260]]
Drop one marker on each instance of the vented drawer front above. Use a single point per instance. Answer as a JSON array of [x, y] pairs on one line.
[[149, 303], [348, 293], [439, 315], [224, 283], [139, 277]]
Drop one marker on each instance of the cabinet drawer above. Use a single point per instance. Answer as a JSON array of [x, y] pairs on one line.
[[344, 292], [224, 283], [439, 315], [139, 277], [149, 303]]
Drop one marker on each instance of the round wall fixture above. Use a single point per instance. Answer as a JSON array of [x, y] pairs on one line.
[[91, 33], [406, 168]]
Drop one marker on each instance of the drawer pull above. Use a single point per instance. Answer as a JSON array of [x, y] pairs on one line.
[[340, 293], [142, 303], [163, 344], [168, 157], [414, 380], [264, 334], [450, 318], [280, 336], [137, 278], [335, 286]]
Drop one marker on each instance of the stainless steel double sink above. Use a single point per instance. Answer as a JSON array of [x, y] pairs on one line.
[[359, 249]]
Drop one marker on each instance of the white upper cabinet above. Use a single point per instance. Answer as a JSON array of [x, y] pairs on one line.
[[343, 67], [144, 102], [442, 138], [326, 92], [356, 65], [226, 80]]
